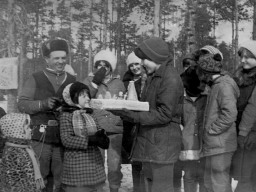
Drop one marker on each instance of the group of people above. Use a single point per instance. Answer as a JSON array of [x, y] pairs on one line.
[[201, 122]]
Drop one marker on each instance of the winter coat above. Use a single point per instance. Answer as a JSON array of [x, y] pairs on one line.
[[219, 135], [114, 86], [129, 128], [16, 168], [158, 138], [83, 165], [192, 121], [242, 165]]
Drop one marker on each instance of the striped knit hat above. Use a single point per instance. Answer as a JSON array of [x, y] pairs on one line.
[[212, 50]]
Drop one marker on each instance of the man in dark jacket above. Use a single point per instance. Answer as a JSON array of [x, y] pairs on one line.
[[158, 139], [40, 96]]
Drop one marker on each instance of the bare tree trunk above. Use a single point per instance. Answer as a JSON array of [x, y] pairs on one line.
[[254, 21], [191, 42], [119, 32], [90, 44], [105, 24], [157, 18], [111, 39], [11, 94], [236, 35]]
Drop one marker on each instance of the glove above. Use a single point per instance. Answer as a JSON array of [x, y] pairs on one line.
[[241, 141], [250, 143], [99, 139], [50, 103], [99, 76]]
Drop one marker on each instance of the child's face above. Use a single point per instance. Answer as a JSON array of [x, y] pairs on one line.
[[135, 68], [83, 99], [247, 61]]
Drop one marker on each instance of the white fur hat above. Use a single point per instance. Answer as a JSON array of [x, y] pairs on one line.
[[106, 55], [132, 58], [250, 45], [212, 50]]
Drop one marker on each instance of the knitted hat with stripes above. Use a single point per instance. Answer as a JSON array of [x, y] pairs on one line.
[[212, 50], [154, 49]]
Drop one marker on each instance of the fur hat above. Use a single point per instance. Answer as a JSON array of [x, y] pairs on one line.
[[106, 55], [54, 45], [132, 58], [250, 46], [71, 92], [191, 82], [212, 50], [210, 63], [12, 125], [154, 48]]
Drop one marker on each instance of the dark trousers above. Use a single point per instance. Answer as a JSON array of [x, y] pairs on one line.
[[217, 173], [177, 175], [194, 175], [138, 183], [157, 177], [51, 160]]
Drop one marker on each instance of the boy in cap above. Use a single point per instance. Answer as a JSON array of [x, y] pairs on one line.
[[40, 96], [105, 85], [158, 139], [19, 167], [219, 134]]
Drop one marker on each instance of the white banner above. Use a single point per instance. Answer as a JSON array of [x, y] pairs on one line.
[[9, 73]]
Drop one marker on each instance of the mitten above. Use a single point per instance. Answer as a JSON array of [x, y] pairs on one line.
[[250, 143], [99, 139], [99, 76], [49, 103], [241, 141]]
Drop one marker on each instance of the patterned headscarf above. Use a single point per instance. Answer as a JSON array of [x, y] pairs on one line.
[[12, 125]]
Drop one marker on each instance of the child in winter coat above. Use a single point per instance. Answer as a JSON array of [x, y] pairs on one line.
[[83, 167], [219, 130], [192, 121], [19, 167]]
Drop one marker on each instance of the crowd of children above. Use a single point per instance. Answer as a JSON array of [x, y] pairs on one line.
[[201, 122]]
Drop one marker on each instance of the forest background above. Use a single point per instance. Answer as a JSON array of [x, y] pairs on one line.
[[119, 25]]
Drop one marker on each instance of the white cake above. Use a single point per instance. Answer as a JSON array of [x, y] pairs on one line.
[[116, 104]]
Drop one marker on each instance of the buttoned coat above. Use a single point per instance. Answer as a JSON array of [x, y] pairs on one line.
[[83, 165], [158, 138]]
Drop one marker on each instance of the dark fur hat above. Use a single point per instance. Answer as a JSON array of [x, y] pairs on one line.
[[191, 82], [54, 45]]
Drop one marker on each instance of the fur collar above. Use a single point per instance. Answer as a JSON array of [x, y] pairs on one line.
[[245, 77]]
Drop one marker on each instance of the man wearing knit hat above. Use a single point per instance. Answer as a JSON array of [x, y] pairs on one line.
[[40, 96], [105, 85], [219, 138], [158, 139]]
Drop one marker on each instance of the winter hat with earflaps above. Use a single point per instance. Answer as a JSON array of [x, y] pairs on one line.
[[132, 58], [106, 55], [154, 49], [54, 45], [212, 50], [210, 64]]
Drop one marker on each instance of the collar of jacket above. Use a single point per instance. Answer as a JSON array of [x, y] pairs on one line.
[[162, 68], [53, 73]]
